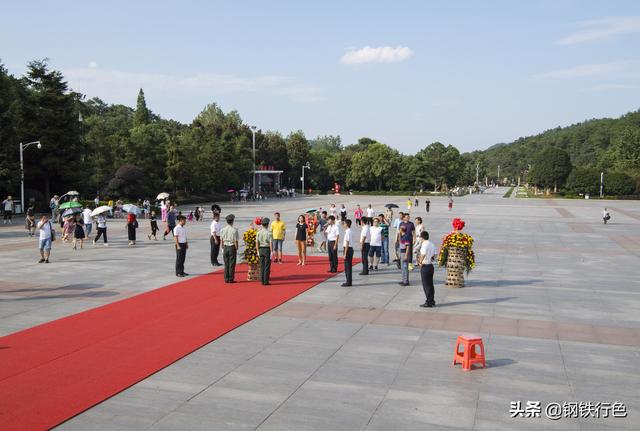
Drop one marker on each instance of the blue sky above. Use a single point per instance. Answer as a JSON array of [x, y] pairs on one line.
[[407, 73]]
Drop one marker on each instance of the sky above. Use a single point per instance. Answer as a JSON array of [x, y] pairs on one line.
[[406, 73]]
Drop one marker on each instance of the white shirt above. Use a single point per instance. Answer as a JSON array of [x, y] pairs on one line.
[[370, 212], [428, 250], [333, 232], [45, 232], [8, 205], [348, 238], [376, 236], [86, 216], [365, 234], [180, 232], [215, 228], [333, 211], [102, 222]]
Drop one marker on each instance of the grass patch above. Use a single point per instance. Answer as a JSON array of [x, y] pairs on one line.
[[508, 193]]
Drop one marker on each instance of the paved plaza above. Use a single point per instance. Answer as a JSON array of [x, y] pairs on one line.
[[555, 296]]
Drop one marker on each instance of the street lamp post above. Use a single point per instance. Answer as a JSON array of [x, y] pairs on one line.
[[601, 185], [253, 133], [305, 166], [22, 147]]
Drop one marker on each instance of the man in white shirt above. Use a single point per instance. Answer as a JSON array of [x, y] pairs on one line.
[[365, 240], [7, 205], [88, 222], [333, 235], [425, 260], [370, 211], [347, 253], [180, 237], [333, 211], [375, 246], [97, 201], [47, 232], [216, 227]]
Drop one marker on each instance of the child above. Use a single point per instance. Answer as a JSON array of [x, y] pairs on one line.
[[154, 226], [405, 258], [78, 233], [190, 216]]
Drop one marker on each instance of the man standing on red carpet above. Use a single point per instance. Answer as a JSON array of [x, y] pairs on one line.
[[180, 237], [229, 237], [333, 236]]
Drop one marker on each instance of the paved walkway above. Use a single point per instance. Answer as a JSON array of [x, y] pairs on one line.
[[555, 296]]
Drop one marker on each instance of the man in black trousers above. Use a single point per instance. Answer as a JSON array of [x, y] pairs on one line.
[[333, 235], [347, 253], [229, 237], [180, 237], [216, 228]]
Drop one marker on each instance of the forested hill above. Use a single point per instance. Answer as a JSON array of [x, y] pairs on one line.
[[605, 144]]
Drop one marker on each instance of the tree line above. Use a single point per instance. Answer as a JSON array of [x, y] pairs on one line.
[[119, 151]]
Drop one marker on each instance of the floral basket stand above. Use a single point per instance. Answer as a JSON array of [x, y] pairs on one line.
[[250, 253], [456, 255]]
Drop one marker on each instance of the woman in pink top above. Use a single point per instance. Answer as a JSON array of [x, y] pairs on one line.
[[358, 213]]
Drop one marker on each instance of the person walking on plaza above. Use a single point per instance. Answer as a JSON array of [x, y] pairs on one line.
[[365, 240], [322, 228], [47, 234], [426, 257], [370, 211], [347, 253], [30, 221], [88, 221], [450, 203], [101, 230], [229, 237], [263, 247], [606, 216], [384, 226], [180, 237], [427, 204], [67, 228], [278, 230], [343, 213], [53, 206], [78, 231], [96, 201], [301, 239], [333, 211], [153, 222], [7, 205], [110, 205], [163, 210], [404, 255], [375, 246], [358, 214], [333, 235], [409, 204], [172, 215], [132, 225], [416, 244], [214, 240]]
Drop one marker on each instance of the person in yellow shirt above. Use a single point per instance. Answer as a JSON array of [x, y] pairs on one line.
[[278, 231]]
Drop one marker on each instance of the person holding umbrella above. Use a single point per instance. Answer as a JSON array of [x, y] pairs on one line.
[[132, 225], [101, 223], [78, 231]]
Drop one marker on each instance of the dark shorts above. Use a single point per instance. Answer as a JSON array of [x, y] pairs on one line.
[[375, 250]]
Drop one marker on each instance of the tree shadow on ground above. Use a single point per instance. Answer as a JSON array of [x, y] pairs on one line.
[[76, 286], [478, 301], [100, 294]]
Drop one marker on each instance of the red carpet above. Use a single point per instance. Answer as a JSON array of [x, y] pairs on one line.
[[52, 372]]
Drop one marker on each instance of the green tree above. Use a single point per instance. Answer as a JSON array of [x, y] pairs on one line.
[[550, 167], [298, 151], [375, 168], [142, 115]]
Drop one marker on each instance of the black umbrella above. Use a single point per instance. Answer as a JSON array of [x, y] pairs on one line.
[[392, 206]]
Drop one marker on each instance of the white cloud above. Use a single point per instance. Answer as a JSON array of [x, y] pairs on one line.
[[116, 85], [93, 65], [381, 54], [610, 87], [601, 29], [584, 70]]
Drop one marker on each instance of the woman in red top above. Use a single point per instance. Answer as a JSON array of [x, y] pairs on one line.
[[132, 224]]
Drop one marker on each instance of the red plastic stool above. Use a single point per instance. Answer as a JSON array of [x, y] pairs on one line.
[[469, 356]]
